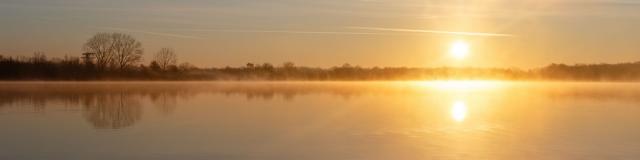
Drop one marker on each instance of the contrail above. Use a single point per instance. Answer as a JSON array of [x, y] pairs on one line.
[[311, 32], [280, 31], [151, 33], [434, 31]]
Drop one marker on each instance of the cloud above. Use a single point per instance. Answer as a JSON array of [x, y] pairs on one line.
[[280, 31], [151, 33], [309, 32], [434, 31]]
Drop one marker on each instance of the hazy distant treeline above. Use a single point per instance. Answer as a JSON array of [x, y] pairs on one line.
[[592, 72], [39, 67], [116, 56]]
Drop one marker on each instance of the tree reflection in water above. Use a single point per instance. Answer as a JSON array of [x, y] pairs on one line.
[[112, 111], [166, 102]]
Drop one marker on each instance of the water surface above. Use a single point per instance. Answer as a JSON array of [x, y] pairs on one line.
[[319, 120]]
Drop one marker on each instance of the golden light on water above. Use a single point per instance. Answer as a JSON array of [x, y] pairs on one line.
[[462, 85], [459, 49], [459, 111]]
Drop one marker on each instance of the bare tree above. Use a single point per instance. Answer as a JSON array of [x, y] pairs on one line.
[[288, 65], [127, 50], [166, 57], [39, 57], [101, 46], [185, 66], [115, 50]]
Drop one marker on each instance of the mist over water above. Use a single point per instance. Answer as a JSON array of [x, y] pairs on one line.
[[319, 120]]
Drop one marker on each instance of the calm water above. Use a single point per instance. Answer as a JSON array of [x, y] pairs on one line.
[[321, 120]]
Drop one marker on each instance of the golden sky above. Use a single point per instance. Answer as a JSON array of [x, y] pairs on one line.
[[414, 33]]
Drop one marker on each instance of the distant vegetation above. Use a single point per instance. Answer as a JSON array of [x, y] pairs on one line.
[[116, 56]]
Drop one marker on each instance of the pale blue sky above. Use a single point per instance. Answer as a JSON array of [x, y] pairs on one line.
[[502, 33]]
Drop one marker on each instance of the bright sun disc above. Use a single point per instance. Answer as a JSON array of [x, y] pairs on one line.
[[459, 49]]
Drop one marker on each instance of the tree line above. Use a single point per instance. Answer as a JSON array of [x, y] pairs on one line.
[[117, 56], [107, 56]]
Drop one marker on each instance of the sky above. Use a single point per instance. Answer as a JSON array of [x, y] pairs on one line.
[[324, 33]]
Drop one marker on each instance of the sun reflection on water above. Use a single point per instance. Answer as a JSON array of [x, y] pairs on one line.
[[459, 111]]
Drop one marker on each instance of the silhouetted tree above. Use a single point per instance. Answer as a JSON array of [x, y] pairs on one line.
[[166, 57], [127, 51], [101, 46], [288, 65], [155, 66], [250, 65], [115, 50], [38, 57], [267, 67], [184, 67]]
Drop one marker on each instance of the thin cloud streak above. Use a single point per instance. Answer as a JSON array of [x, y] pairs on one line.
[[435, 31], [280, 31], [151, 33]]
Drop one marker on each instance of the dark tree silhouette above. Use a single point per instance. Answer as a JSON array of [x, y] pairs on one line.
[[114, 50], [101, 46], [155, 66], [165, 58], [127, 51]]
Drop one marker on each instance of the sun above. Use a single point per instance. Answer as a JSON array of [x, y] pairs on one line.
[[459, 49]]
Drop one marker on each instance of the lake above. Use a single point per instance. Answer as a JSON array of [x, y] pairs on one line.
[[319, 120]]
